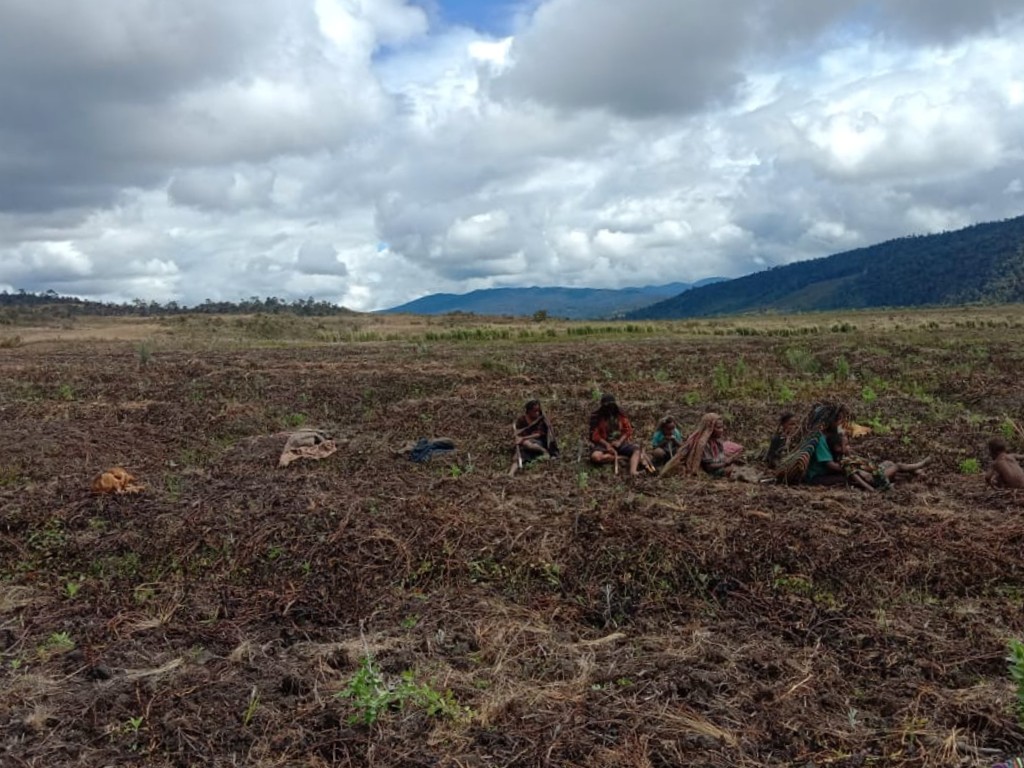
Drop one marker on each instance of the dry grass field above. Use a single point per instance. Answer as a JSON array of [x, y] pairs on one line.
[[365, 610]]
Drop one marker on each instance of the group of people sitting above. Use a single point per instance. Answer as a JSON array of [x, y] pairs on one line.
[[818, 452], [815, 451]]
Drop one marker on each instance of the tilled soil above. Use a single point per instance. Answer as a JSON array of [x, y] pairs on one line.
[[577, 617]]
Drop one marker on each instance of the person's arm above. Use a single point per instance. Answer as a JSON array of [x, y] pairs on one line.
[[529, 429], [825, 457], [657, 439], [860, 482], [992, 476], [625, 431], [599, 436], [711, 461]]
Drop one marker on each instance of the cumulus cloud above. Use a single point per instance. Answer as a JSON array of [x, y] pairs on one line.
[[315, 258], [358, 152]]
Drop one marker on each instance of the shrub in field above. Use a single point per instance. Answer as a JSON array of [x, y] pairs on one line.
[[801, 360], [145, 352], [1008, 429], [842, 369], [721, 381], [371, 695], [970, 466]]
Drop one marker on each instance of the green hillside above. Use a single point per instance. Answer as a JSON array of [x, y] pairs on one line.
[[984, 262]]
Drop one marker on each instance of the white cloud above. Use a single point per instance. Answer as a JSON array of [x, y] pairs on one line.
[[189, 150]]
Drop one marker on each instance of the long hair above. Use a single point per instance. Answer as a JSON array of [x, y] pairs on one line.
[[692, 452], [608, 410], [823, 417]]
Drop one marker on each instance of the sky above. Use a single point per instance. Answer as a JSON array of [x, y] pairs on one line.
[[370, 152]]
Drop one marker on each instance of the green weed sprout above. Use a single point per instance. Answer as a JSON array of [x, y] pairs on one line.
[[372, 695], [1016, 664], [252, 707], [970, 466]]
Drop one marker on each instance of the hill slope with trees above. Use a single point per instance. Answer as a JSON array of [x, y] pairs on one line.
[[984, 262], [573, 303]]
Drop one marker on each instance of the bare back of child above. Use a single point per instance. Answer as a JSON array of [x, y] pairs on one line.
[[1005, 471]]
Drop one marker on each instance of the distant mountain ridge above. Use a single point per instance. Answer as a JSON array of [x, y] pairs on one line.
[[983, 262], [573, 303]]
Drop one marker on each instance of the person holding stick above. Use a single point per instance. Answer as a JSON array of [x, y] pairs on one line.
[[611, 436], [534, 437], [665, 441]]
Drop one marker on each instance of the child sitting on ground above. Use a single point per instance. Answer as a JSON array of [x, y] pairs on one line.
[[1005, 471]]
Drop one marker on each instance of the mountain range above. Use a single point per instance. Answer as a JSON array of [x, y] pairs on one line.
[[572, 303], [980, 263]]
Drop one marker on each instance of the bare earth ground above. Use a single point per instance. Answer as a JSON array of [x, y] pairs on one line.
[[578, 618]]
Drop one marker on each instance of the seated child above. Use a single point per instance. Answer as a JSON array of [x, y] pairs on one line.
[[534, 436], [611, 436], [666, 440], [1005, 471]]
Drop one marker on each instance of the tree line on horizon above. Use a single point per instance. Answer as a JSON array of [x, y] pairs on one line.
[[50, 304]]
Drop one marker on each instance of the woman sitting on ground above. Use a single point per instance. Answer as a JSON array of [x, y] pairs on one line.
[[707, 449], [811, 459], [611, 435]]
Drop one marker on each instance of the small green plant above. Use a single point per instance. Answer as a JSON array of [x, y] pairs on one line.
[[410, 622], [252, 707], [868, 395], [970, 466], [175, 486], [582, 479], [786, 395], [56, 643], [295, 420], [133, 724], [368, 692], [878, 426], [371, 695], [691, 398], [9, 475], [721, 381], [801, 360], [1008, 429], [144, 351], [842, 369], [1016, 663], [72, 588], [65, 392]]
